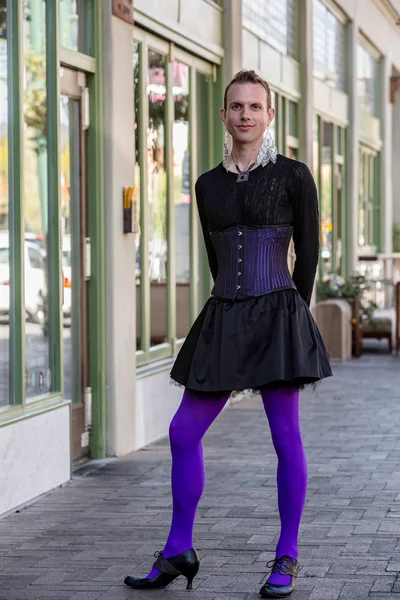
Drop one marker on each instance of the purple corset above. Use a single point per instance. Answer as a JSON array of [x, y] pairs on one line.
[[252, 261]]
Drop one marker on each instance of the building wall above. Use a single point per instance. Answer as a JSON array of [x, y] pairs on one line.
[[375, 26], [194, 24], [120, 253], [156, 401], [140, 400], [292, 79], [35, 457]]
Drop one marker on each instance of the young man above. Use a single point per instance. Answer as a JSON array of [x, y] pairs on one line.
[[255, 332]]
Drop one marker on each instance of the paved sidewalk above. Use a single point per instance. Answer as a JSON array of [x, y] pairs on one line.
[[80, 541]]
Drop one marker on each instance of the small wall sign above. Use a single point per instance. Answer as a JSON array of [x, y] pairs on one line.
[[130, 210], [123, 9]]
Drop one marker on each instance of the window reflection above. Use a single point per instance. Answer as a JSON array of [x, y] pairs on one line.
[[326, 197], [367, 225], [157, 196], [315, 164], [274, 22], [293, 119], [182, 199], [339, 191], [69, 23], [67, 224], [4, 215], [137, 129], [367, 81], [329, 46], [38, 376]]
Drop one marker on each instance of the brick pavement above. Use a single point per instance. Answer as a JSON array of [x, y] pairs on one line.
[[79, 542]]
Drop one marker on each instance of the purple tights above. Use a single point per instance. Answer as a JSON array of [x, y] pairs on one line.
[[191, 421]]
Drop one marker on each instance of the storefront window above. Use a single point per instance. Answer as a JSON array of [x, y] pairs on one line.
[[368, 202], [329, 46], [367, 81], [168, 242], [138, 268], [326, 198], [69, 23], [75, 17], [315, 163], [272, 127], [157, 196], [293, 119], [273, 22], [38, 375], [69, 224], [4, 216], [182, 195]]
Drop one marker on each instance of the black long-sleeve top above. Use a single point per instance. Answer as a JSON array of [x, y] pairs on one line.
[[283, 193]]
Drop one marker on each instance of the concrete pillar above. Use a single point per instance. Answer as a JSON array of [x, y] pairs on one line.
[[386, 162], [233, 61], [352, 152], [120, 247], [306, 82]]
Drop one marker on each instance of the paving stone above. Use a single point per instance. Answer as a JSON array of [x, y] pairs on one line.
[[327, 590], [80, 541], [383, 584]]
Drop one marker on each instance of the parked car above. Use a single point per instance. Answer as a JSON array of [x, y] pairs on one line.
[[35, 279]]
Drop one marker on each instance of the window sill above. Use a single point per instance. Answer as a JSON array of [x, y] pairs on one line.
[[155, 367], [15, 413]]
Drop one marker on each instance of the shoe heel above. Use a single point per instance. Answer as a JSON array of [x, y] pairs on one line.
[[189, 584], [190, 577]]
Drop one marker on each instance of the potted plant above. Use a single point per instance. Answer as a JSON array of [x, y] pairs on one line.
[[353, 289]]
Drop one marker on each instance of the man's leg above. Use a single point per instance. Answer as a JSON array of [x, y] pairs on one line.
[[193, 418], [282, 409]]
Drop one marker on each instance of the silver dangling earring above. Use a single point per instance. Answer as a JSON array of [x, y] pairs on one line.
[[268, 151], [226, 151]]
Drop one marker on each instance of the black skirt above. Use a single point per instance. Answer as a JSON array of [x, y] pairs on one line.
[[271, 340]]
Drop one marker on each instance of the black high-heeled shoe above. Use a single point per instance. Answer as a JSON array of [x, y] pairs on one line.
[[186, 564], [285, 565]]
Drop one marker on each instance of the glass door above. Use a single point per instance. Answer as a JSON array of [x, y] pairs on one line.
[[74, 242]]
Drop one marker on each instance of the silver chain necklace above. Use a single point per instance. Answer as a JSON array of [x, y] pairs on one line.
[[242, 175]]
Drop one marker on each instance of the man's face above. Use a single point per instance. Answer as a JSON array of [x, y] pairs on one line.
[[246, 116]]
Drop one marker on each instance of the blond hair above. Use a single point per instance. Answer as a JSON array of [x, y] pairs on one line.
[[249, 77]]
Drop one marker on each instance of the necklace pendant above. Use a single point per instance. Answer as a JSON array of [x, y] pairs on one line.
[[242, 177]]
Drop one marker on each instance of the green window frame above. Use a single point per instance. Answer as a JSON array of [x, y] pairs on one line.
[[148, 353], [332, 193], [89, 60], [19, 408], [369, 200], [285, 131], [285, 126], [19, 405]]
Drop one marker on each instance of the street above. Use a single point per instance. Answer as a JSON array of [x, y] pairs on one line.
[[78, 542]]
